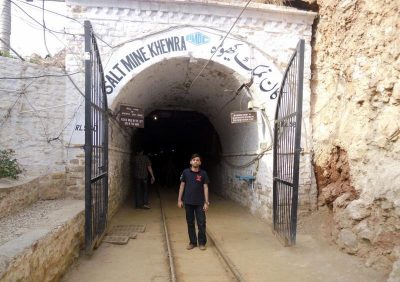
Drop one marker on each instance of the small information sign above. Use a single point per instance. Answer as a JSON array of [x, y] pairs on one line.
[[243, 116], [131, 116]]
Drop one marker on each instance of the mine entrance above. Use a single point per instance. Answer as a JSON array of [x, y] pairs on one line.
[[170, 137]]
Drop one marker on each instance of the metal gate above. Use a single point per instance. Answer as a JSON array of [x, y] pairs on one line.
[[96, 144], [287, 135]]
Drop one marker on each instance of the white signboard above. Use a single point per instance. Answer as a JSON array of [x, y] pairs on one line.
[[199, 43]]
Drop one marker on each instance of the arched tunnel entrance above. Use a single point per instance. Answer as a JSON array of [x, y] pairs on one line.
[[170, 137], [187, 110], [192, 87]]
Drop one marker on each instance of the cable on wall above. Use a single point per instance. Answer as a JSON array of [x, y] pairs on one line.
[[44, 31]]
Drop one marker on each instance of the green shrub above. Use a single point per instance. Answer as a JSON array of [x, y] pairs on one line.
[[6, 54], [9, 167]]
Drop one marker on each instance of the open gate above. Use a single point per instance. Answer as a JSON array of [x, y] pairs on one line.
[[287, 135], [96, 144]]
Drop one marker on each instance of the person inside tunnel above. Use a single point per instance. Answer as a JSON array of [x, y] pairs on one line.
[[193, 195], [141, 169]]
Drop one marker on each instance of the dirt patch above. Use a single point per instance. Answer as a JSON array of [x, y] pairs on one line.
[[333, 179], [319, 224], [58, 60]]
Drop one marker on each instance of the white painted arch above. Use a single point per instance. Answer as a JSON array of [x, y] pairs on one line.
[[191, 68]]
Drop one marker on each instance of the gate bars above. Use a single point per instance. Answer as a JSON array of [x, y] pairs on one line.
[[96, 144], [287, 135]]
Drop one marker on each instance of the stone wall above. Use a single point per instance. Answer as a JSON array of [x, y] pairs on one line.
[[32, 120], [120, 156], [356, 124], [75, 177], [49, 257], [39, 106]]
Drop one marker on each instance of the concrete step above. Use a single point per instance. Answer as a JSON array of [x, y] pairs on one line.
[[40, 242], [19, 194]]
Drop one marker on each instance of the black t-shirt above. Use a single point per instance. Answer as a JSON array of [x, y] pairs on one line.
[[194, 186]]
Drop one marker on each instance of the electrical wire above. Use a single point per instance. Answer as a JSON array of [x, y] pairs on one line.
[[38, 116], [15, 52], [23, 93], [243, 86], [9, 110], [39, 76], [219, 46], [67, 124], [257, 158], [51, 31], [67, 47], [70, 18], [8, 115], [36, 21], [44, 30], [47, 10], [26, 21], [74, 84]]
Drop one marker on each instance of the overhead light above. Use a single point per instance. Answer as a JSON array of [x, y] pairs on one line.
[[155, 117], [254, 105]]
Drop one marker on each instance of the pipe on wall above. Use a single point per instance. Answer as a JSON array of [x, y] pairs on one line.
[[5, 25]]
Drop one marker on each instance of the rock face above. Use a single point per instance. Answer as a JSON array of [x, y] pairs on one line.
[[333, 179], [356, 124]]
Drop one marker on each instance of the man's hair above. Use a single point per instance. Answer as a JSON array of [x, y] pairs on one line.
[[195, 156]]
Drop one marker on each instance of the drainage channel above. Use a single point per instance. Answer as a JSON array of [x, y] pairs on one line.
[[214, 263]]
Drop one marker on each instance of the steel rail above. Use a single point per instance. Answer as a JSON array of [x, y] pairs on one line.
[[228, 264], [169, 249]]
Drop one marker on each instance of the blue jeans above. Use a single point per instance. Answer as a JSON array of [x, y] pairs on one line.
[[141, 192], [193, 211]]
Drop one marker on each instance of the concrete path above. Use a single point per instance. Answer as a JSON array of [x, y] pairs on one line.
[[246, 241], [142, 259], [259, 256]]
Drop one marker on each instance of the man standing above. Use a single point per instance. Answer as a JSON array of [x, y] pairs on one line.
[[141, 167], [194, 189]]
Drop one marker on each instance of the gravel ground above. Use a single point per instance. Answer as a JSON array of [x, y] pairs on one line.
[[37, 215]]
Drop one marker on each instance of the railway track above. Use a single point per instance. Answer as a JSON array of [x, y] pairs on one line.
[[191, 265]]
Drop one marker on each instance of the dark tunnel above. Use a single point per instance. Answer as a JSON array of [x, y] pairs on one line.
[[170, 137]]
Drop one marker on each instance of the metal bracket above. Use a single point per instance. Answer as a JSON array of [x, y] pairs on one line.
[[248, 178]]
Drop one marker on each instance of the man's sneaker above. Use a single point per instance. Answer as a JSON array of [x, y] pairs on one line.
[[202, 247], [190, 246], [146, 207]]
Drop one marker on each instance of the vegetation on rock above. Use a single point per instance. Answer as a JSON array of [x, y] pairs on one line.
[[9, 167]]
